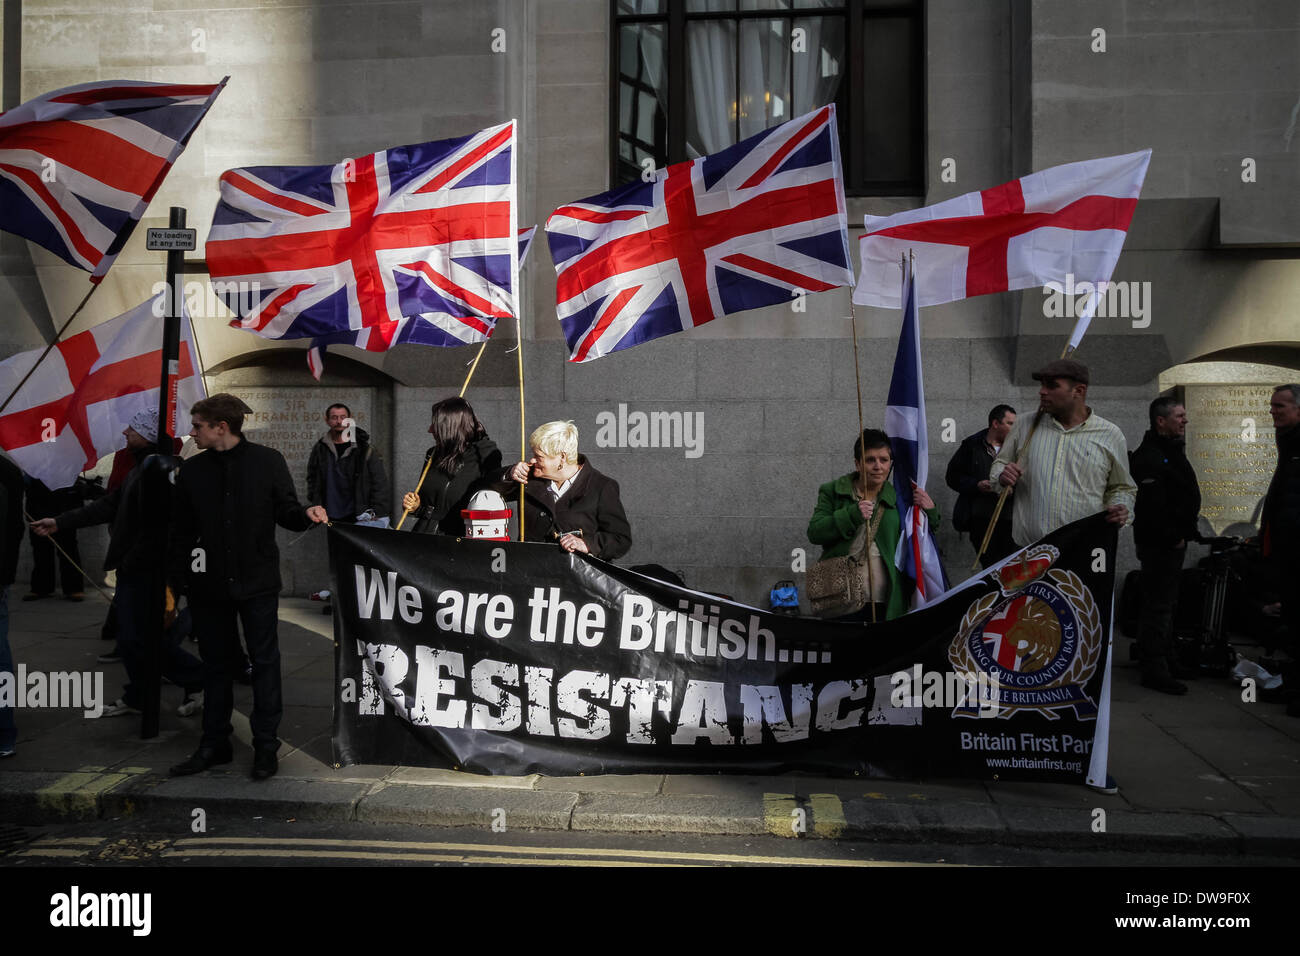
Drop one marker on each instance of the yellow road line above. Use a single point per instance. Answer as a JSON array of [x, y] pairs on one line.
[[782, 815], [589, 852], [53, 852], [828, 814], [78, 792], [69, 841], [397, 857]]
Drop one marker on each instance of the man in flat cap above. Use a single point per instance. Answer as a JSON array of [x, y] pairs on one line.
[[1076, 465]]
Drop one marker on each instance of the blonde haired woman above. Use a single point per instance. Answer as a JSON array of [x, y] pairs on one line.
[[566, 499]]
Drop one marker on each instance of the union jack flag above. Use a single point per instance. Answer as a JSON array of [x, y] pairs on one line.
[[78, 166], [421, 232], [415, 330], [751, 226]]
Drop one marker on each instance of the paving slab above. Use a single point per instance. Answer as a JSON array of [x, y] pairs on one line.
[[234, 795], [624, 813], [466, 807], [648, 784]]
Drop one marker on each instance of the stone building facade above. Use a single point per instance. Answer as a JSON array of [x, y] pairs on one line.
[[1006, 87]]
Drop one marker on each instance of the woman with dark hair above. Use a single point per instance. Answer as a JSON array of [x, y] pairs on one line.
[[866, 496], [463, 460]]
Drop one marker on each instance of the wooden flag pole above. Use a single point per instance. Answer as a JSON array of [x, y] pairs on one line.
[[523, 446], [49, 348], [1006, 489], [857, 375], [429, 460]]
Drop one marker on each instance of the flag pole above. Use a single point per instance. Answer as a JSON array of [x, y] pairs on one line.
[[1006, 489], [857, 376], [49, 348], [523, 445], [428, 461]]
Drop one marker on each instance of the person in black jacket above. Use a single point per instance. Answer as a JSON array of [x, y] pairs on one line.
[[130, 553], [461, 461], [11, 536], [968, 475], [567, 500], [345, 473], [1280, 524], [223, 553], [1165, 515]]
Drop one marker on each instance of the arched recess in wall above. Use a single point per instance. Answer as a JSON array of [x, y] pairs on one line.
[[1230, 435], [288, 405]]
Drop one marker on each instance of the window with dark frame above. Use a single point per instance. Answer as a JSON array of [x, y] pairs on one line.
[[691, 77]]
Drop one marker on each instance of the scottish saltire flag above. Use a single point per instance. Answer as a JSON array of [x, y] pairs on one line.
[[905, 426], [78, 166], [754, 225], [425, 231]]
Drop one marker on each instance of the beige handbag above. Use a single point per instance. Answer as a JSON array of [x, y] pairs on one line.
[[839, 586]]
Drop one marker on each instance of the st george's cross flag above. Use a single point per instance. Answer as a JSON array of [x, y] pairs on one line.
[[917, 555], [72, 410], [424, 231], [1041, 228], [78, 166], [415, 330], [756, 224]]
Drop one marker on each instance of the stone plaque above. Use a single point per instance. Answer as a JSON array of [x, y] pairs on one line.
[[291, 420], [1233, 471]]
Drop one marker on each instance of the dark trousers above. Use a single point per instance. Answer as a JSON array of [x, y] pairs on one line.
[[44, 558], [179, 666], [1161, 569], [43, 503], [8, 729], [215, 625], [1000, 545]]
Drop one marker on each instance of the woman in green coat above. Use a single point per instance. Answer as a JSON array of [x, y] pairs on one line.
[[866, 496]]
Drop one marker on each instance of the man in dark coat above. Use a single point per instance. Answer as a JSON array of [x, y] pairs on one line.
[[977, 497], [1165, 516], [131, 554], [345, 473], [11, 536], [223, 553], [1280, 524]]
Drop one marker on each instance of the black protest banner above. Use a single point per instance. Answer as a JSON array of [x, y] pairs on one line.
[[508, 658]]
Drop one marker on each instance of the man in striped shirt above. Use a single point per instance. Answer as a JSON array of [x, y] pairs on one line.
[[1076, 465]]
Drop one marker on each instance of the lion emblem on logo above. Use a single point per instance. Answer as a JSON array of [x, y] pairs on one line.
[[1040, 641]]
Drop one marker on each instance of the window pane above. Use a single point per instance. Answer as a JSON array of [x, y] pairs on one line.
[[642, 93], [640, 6], [710, 6], [764, 75], [710, 86], [893, 107], [805, 4], [818, 65], [765, 4]]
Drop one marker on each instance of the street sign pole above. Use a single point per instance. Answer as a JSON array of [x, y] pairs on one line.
[[176, 239]]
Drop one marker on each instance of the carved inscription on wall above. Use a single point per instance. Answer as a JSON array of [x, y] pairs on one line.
[[1233, 470], [291, 420]]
